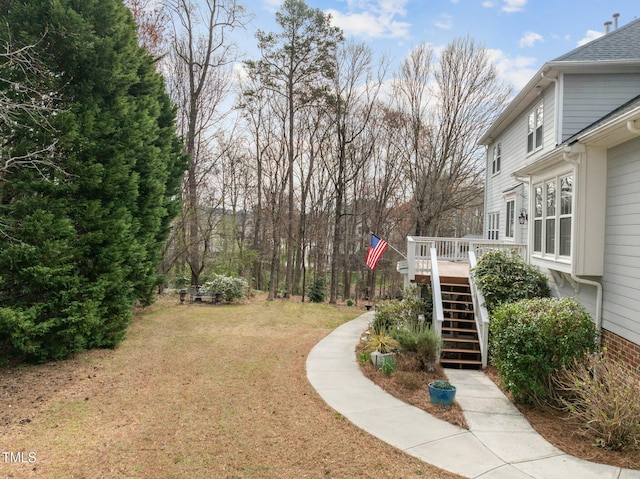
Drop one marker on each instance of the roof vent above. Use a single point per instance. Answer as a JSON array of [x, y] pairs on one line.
[[615, 20], [607, 27]]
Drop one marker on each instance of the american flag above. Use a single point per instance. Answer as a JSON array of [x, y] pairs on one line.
[[376, 248]]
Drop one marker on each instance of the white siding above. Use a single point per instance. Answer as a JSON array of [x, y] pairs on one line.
[[621, 281], [589, 97], [514, 156]]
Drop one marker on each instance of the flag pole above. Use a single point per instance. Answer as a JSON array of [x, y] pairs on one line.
[[392, 247]]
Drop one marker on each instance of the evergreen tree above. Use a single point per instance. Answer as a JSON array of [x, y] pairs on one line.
[[82, 235]]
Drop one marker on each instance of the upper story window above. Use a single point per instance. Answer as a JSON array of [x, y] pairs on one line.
[[534, 128], [495, 161], [493, 226], [553, 217]]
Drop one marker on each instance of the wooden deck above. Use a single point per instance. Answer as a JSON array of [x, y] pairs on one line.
[[453, 271]]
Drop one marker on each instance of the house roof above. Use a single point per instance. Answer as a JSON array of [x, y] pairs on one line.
[[619, 45]]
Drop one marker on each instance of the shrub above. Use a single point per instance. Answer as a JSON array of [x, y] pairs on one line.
[[419, 338], [231, 289], [503, 277], [404, 312], [388, 366], [382, 342], [603, 396], [316, 291], [533, 339]]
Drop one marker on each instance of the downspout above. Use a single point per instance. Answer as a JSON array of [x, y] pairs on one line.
[[572, 155]]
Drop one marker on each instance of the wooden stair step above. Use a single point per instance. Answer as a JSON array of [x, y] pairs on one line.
[[460, 340], [457, 301], [460, 361], [461, 320], [459, 330], [460, 350]]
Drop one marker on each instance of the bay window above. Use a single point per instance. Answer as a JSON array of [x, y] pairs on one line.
[[553, 209]]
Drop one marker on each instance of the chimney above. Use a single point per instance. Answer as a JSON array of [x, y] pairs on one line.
[[607, 27], [615, 20]]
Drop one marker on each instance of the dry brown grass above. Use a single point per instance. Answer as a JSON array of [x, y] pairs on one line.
[[194, 392]]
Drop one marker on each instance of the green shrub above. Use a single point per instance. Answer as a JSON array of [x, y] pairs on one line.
[[388, 366], [421, 339], [603, 396], [404, 312], [503, 277], [231, 289], [316, 291], [532, 339]]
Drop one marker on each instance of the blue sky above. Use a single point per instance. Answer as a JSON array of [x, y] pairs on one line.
[[521, 34]]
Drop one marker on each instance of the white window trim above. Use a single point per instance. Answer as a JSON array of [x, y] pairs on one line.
[[533, 112], [496, 159], [493, 226], [535, 217], [510, 218]]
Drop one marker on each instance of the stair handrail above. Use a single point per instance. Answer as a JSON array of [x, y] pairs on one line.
[[480, 312], [436, 293]]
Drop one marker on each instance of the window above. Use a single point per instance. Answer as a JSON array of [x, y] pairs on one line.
[[566, 200], [534, 129], [553, 216], [497, 155], [511, 219], [493, 226]]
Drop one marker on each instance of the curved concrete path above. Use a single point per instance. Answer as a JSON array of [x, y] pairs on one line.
[[499, 445]]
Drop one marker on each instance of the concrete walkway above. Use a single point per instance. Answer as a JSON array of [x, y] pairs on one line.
[[499, 445]]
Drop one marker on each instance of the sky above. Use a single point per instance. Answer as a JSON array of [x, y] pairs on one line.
[[521, 35]]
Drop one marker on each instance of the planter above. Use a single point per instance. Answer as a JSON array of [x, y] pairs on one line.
[[377, 358], [441, 396]]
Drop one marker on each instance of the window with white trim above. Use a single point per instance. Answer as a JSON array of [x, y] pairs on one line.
[[535, 124], [553, 216], [497, 157], [510, 228], [493, 226]]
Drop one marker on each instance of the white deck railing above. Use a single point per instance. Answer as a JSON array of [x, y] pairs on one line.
[[480, 313], [447, 249], [436, 293]]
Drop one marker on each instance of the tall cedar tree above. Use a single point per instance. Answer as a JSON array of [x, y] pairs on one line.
[[81, 240]]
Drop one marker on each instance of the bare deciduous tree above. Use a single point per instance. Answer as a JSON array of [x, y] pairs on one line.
[[199, 73]]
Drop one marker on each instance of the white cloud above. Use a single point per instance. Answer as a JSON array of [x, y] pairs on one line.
[[530, 38], [511, 6], [445, 22], [489, 4], [590, 35], [517, 71], [373, 18]]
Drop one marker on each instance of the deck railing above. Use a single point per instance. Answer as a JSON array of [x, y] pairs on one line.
[[448, 249], [480, 313]]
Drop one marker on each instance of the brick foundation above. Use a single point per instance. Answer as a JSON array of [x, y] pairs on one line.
[[620, 349]]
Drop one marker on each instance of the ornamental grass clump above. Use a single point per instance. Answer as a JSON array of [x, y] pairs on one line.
[[603, 395], [533, 339]]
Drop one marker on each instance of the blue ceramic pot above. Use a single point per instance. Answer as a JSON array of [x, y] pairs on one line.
[[441, 396]]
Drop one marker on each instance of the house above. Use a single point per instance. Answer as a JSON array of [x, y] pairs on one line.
[[563, 186], [563, 178]]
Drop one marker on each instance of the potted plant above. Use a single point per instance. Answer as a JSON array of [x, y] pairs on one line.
[[442, 392], [381, 346]]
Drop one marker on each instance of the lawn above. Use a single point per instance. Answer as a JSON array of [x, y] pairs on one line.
[[195, 391]]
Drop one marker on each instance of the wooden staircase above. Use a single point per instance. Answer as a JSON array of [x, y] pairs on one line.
[[461, 346]]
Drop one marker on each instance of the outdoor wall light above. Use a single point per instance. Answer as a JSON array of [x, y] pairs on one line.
[[523, 216]]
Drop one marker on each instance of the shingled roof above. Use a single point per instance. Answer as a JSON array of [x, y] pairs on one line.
[[619, 45]]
